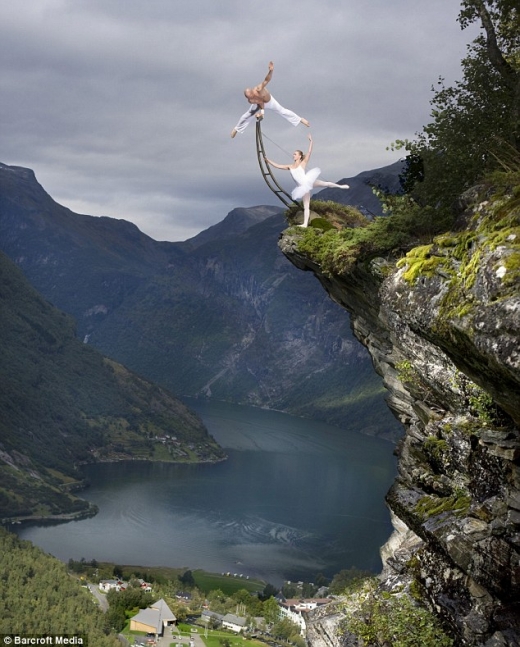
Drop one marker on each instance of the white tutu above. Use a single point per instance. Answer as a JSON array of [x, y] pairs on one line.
[[304, 180]]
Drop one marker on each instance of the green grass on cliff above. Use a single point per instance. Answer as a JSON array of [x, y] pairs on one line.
[[337, 251], [429, 241], [384, 618], [430, 506], [458, 255]]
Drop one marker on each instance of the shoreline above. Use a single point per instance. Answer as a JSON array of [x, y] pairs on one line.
[[83, 484], [54, 519]]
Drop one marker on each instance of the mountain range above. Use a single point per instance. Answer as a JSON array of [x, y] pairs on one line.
[[222, 315]]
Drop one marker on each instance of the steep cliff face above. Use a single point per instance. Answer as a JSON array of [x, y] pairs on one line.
[[442, 326]]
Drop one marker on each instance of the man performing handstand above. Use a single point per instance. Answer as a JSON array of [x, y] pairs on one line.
[[261, 98]]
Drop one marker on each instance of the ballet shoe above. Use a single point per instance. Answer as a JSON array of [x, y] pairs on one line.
[[305, 122], [233, 133]]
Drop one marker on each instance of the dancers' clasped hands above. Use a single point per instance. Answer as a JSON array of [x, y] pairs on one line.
[[260, 98]]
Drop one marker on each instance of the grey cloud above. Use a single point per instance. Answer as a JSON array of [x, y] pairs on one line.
[[124, 108]]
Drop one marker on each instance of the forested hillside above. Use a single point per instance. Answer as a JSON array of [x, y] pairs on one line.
[[38, 596], [62, 404]]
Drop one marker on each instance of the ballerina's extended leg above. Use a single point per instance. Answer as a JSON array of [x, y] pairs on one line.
[[330, 185]]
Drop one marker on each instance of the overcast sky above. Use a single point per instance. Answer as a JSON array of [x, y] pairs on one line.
[[124, 108]]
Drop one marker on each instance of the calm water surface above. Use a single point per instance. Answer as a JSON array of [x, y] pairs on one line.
[[295, 498]]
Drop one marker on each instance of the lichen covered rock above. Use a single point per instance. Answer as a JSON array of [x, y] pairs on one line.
[[442, 324]]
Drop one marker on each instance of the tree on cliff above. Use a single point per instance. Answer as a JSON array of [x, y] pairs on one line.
[[500, 20], [476, 122]]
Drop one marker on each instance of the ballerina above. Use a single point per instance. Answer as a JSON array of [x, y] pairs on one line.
[[306, 181]]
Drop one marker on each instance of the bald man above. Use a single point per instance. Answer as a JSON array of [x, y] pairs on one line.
[[260, 98]]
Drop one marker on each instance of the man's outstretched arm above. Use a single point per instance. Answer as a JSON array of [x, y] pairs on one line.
[[269, 75]]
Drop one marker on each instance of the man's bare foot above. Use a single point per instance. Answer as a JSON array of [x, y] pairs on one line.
[[305, 122], [233, 133]]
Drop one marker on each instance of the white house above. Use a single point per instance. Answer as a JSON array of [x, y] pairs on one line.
[[108, 585], [234, 623], [297, 609]]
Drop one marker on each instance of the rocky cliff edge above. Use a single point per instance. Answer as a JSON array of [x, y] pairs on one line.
[[441, 323]]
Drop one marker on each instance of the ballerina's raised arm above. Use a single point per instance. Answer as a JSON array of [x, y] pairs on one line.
[[306, 181]]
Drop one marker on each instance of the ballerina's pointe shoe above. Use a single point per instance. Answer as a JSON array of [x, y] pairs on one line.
[[233, 133], [305, 122]]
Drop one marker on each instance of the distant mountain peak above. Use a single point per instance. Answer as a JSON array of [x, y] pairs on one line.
[[234, 224], [25, 173]]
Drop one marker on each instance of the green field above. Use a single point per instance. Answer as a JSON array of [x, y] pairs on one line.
[[228, 584], [204, 580], [214, 637]]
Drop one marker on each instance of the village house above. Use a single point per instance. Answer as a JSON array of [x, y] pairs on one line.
[[228, 621], [208, 616], [183, 595], [234, 623], [144, 586], [154, 619], [108, 585], [297, 609]]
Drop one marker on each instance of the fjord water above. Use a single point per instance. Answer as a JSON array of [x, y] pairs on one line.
[[295, 498]]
